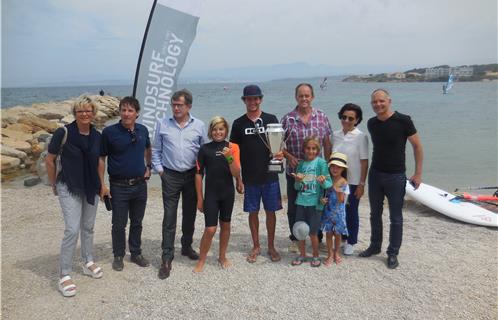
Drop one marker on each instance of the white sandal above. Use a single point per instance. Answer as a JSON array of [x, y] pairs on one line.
[[96, 273], [67, 290]]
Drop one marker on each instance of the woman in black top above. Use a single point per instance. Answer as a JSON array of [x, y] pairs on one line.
[[77, 185], [219, 161]]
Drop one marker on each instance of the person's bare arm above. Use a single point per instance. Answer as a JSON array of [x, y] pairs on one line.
[[50, 165], [418, 154], [104, 190], [148, 159], [360, 189], [327, 148]]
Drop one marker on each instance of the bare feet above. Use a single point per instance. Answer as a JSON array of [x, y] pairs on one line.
[[337, 258], [253, 255], [274, 255], [199, 267], [328, 261], [224, 263]]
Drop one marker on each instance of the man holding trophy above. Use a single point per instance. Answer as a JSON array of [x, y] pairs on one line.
[[261, 160]]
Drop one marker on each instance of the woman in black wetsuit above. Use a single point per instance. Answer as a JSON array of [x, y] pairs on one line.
[[219, 161]]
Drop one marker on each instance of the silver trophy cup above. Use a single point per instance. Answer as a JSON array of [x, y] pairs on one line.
[[275, 138]]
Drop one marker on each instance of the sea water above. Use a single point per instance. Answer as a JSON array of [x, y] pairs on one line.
[[458, 130]]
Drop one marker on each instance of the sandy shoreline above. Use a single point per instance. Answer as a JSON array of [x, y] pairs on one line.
[[448, 270]]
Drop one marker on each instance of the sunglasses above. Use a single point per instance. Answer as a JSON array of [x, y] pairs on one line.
[[133, 135], [346, 118]]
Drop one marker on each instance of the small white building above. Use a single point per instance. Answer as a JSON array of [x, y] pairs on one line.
[[442, 72]]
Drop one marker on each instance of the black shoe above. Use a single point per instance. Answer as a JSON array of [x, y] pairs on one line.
[[369, 252], [189, 252], [164, 270], [118, 264], [140, 260], [392, 261]]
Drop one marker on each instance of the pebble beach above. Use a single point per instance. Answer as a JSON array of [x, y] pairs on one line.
[[448, 270]]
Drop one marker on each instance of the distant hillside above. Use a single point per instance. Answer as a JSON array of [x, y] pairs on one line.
[[279, 71], [482, 72]]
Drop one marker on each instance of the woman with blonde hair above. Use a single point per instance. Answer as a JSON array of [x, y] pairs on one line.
[[77, 185], [219, 161]]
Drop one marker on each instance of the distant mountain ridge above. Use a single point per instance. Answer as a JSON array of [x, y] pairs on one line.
[[279, 71]]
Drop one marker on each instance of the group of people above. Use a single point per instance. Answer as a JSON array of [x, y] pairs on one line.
[[326, 173]]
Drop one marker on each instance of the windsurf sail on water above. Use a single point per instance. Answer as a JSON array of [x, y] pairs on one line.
[[449, 84], [170, 31], [323, 85]]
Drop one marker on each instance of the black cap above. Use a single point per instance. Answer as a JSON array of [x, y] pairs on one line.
[[252, 90]]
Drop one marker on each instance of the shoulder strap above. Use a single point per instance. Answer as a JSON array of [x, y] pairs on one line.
[[63, 139]]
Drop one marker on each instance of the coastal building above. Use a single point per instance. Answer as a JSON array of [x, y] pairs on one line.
[[443, 72], [397, 75]]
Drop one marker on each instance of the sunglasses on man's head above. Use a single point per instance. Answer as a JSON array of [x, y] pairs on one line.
[[351, 119]]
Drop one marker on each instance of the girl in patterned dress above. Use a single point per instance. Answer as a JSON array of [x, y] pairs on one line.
[[334, 214]]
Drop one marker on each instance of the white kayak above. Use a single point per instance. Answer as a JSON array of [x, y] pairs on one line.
[[440, 201]]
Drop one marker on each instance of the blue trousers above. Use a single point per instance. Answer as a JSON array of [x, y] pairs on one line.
[[391, 186]]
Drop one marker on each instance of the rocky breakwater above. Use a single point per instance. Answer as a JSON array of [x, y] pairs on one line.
[[26, 129]]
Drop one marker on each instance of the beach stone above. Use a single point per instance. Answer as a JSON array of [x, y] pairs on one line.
[[33, 181], [36, 129], [67, 119], [17, 144], [42, 134], [20, 127], [100, 116], [37, 148], [12, 152], [16, 135], [9, 162], [45, 124], [51, 111]]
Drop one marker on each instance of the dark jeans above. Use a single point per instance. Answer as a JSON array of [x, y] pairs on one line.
[[392, 186], [352, 217], [291, 207], [127, 201], [173, 184]]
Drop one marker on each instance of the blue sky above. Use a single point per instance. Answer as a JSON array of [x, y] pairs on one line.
[[55, 41]]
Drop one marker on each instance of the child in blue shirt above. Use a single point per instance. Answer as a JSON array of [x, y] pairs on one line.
[[312, 178]]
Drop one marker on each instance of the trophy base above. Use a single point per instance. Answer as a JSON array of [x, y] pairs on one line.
[[276, 167]]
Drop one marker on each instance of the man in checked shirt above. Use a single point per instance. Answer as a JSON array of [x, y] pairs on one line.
[[298, 124]]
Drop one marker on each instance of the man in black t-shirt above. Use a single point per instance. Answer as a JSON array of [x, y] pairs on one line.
[[389, 131], [257, 183]]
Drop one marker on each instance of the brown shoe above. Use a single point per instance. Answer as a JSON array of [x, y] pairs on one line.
[[189, 252], [140, 260], [164, 270]]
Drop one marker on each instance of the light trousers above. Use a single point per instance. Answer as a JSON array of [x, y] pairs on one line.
[[79, 217]]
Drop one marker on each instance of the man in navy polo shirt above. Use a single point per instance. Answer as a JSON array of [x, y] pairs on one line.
[[127, 147]]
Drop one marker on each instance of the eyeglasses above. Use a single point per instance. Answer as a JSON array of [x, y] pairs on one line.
[[346, 118], [177, 105], [133, 136], [83, 111]]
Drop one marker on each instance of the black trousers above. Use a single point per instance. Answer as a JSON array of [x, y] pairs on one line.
[[174, 184]]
